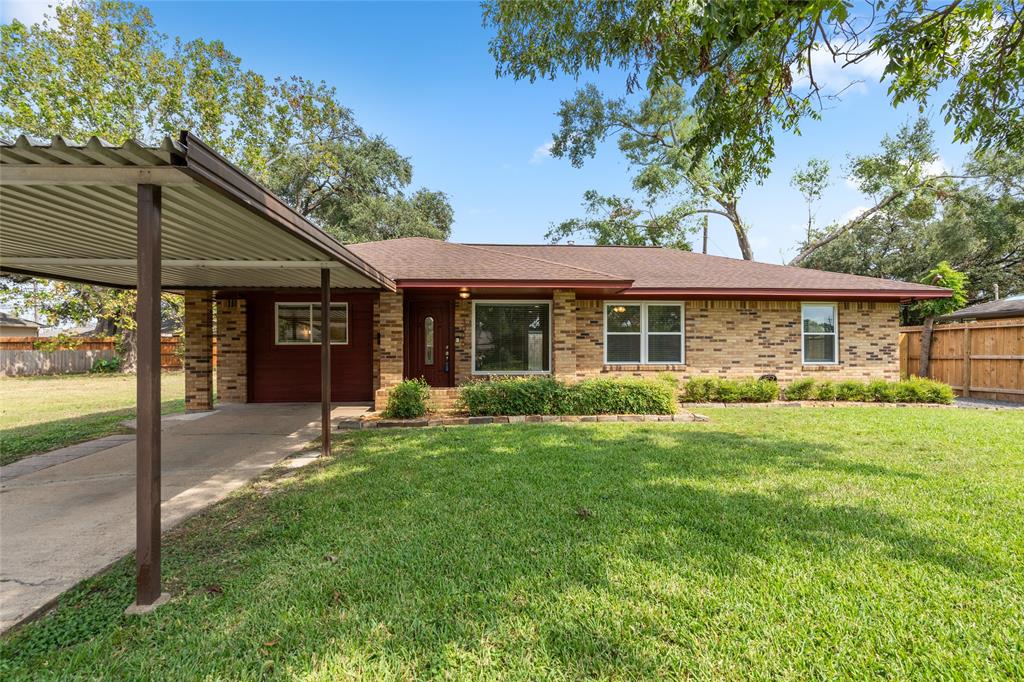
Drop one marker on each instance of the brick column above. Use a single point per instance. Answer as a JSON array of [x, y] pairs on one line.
[[463, 351], [232, 370], [198, 351], [563, 334], [390, 347]]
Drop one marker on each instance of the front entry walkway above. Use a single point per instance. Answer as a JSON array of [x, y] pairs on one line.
[[64, 523]]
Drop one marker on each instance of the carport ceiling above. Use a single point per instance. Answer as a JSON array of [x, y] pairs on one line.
[[68, 211]]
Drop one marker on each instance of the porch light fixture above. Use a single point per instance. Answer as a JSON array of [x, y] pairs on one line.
[[463, 293]]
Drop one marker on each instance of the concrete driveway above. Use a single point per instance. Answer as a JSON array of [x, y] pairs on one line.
[[64, 523]]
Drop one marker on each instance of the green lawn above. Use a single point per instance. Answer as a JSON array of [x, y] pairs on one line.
[[769, 543], [38, 414]]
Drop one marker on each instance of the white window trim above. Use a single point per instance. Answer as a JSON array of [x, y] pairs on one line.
[[311, 342], [835, 334], [644, 333], [472, 337]]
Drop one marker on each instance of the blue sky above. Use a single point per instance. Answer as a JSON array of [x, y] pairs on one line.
[[421, 75]]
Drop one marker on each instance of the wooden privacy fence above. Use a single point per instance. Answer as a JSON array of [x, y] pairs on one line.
[[20, 357], [983, 359]]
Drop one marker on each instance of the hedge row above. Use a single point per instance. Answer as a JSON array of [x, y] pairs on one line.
[[914, 390], [544, 395]]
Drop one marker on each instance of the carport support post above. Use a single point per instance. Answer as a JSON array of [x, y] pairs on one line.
[[147, 433], [325, 361]]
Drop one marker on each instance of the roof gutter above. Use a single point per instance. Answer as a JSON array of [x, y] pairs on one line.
[[512, 284], [792, 294]]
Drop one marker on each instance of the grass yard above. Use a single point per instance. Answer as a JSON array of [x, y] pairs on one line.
[[769, 543], [42, 413]]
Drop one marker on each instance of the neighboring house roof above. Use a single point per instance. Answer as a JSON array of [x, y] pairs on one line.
[[1007, 307], [11, 321], [417, 261]]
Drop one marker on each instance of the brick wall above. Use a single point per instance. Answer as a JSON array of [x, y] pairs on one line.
[[563, 333], [232, 370], [388, 349], [198, 351], [744, 338], [463, 341]]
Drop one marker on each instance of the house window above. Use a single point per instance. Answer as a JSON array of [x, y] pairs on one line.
[[511, 337], [820, 333], [300, 323], [643, 333]]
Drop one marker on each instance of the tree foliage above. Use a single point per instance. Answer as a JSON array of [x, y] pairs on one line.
[[750, 64], [811, 181], [974, 219], [653, 137], [101, 68], [618, 221]]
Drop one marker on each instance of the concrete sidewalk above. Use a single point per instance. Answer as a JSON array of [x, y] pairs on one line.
[[65, 522]]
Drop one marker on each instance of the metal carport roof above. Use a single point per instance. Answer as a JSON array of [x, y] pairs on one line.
[[68, 211]]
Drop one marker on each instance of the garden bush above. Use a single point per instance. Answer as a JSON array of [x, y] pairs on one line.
[[880, 391], [106, 365], [713, 389], [547, 396], [408, 400], [825, 390], [850, 391], [919, 390], [800, 389]]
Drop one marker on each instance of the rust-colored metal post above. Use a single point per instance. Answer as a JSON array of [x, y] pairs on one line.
[[325, 361], [147, 434]]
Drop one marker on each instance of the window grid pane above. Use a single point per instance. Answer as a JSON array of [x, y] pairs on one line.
[[819, 348], [300, 323], [644, 333]]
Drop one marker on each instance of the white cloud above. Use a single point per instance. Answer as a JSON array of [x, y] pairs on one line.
[[851, 214], [26, 11], [936, 167], [542, 152], [833, 76]]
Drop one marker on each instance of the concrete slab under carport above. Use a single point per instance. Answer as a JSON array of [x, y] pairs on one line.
[[66, 522]]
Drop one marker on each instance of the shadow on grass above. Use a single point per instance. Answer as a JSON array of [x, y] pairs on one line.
[[411, 549], [22, 441]]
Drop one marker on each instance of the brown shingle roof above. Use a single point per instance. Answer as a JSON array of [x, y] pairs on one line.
[[641, 269], [1008, 307]]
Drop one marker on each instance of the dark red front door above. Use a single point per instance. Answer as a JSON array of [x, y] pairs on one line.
[[428, 348]]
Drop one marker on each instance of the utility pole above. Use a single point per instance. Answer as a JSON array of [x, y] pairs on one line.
[[705, 251]]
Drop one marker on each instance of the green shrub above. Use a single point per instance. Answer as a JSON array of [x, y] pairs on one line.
[[758, 390], [826, 390], [106, 365], [713, 389], [408, 400], [850, 391], [700, 389], [547, 396], [801, 389], [880, 391], [919, 390]]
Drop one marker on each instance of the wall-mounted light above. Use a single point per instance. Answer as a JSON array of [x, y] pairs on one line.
[[463, 293]]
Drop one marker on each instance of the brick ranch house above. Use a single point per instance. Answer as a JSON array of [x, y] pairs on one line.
[[469, 311]]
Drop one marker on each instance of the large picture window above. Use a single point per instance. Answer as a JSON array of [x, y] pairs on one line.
[[643, 333], [820, 332], [300, 323], [511, 337]]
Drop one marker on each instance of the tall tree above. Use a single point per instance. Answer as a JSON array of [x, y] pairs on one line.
[[618, 221], [974, 218], [101, 68], [811, 181], [751, 65], [653, 137]]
